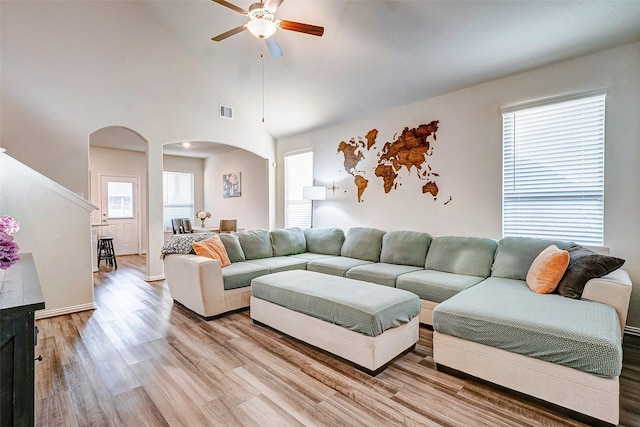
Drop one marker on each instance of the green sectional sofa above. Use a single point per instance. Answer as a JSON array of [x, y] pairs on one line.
[[486, 320]]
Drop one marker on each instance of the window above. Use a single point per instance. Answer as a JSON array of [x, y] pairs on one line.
[[177, 201], [553, 170], [298, 173], [120, 197]]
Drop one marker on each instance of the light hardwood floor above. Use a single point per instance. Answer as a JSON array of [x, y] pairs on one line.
[[139, 360]]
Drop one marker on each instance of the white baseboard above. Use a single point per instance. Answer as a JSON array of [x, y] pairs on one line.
[[632, 330], [41, 314], [154, 278]]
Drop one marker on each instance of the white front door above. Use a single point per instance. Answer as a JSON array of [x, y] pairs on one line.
[[119, 210]]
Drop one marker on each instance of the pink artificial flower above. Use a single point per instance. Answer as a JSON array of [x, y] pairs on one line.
[[8, 225], [203, 215], [8, 251]]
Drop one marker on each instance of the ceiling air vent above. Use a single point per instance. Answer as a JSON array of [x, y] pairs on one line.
[[225, 111]]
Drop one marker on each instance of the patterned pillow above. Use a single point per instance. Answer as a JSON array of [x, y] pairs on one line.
[[182, 243]]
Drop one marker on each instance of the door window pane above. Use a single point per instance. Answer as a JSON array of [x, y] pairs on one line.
[[120, 197]]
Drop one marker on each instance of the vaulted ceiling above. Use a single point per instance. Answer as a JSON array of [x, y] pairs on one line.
[[380, 54]]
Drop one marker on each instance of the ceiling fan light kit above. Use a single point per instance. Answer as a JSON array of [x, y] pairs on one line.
[[261, 28], [263, 25]]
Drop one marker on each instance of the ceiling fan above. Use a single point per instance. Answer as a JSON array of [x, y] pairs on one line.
[[263, 24]]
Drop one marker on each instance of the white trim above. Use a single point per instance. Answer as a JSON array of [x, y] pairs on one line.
[[154, 278], [632, 330], [52, 185], [41, 314], [552, 100]]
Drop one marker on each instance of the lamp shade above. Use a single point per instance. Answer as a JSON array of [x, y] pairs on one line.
[[314, 193], [261, 28]]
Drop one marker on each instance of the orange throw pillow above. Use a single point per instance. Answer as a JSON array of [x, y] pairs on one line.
[[212, 248], [547, 270]]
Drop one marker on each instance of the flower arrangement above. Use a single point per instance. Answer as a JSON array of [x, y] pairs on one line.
[[8, 248], [202, 216]]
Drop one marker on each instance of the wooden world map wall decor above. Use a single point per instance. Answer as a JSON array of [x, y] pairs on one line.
[[410, 149]]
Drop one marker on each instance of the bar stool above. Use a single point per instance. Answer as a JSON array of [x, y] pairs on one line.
[[106, 252]]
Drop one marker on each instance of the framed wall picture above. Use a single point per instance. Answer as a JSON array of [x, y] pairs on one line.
[[231, 185]]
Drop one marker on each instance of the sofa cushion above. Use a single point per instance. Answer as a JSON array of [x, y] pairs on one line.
[[336, 266], [281, 263], [310, 256], [327, 241], [232, 245], [363, 243], [288, 241], [240, 274], [471, 256], [255, 244], [515, 255], [583, 266], [212, 248], [504, 313], [182, 243], [547, 270], [405, 247], [434, 285], [381, 273]]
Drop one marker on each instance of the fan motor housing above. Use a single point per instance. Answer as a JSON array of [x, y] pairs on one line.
[[257, 11]]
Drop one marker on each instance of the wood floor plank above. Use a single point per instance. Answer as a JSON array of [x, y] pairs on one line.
[[136, 408], [140, 360]]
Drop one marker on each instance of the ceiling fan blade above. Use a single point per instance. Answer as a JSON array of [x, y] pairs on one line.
[[274, 47], [272, 5], [232, 6], [301, 28], [229, 33]]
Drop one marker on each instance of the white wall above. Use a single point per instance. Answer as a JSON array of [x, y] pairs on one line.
[[48, 229], [468, 157], [251, 209]]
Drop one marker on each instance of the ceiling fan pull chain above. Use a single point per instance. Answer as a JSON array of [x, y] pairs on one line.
[[262, 59]]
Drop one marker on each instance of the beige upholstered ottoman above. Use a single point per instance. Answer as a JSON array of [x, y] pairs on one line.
[[364, 323]]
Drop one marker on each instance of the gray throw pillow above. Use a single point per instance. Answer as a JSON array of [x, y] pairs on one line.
[[255, 244], [289, 241], [327, 241], [232, 245], [584, 265], [363, 243], [405, 247]]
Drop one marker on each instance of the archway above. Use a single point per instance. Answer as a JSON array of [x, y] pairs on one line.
[[117, 163]]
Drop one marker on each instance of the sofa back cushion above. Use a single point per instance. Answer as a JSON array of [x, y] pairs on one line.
[[516, 254], [289, 241], [471, 256], [256, 244], [327, 241], [363, 243], [232, 245], [405, 247]]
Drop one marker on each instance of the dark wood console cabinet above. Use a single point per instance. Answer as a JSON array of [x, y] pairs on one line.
[[20, 297]]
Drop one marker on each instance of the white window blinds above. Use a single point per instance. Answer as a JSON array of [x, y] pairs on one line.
[[177, 196], [553, 170], [298, 173]]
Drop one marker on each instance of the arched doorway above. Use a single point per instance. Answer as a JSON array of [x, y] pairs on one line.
[[118, 187]]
